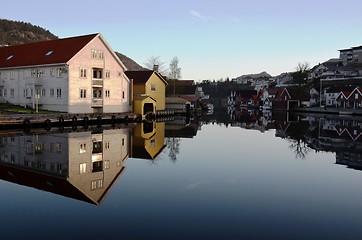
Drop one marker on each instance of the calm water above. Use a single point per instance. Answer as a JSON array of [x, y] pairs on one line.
[[248, 178]]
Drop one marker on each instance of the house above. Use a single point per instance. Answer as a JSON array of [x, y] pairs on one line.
[[291, 97], [75, 75], [149, 91], [185, 89], [332, 93], [350, 99], [314, 97], [178, 105]]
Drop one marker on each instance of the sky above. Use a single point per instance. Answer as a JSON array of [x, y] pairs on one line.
[[211, 39]]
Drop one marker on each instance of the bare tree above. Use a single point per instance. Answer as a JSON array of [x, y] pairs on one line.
[[155, 63], [301, 75], [174, 72]]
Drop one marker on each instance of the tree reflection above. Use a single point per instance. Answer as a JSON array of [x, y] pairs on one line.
[[173, 145], [301, 149]]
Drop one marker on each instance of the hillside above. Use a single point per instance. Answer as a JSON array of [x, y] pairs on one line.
[[16, 32], [130, 63], [255, 76]]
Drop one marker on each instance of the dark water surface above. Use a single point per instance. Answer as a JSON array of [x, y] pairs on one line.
[[219, 182]]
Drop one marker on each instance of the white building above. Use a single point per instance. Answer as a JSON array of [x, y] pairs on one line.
[[75, 75]]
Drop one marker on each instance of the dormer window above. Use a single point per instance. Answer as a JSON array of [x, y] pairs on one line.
[[10, 57], [49, 53]]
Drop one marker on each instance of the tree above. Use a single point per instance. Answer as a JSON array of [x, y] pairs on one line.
[[155, 63], [174, 72], [300, 76]]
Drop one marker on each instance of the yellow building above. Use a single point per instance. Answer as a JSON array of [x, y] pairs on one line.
[[149, 91]]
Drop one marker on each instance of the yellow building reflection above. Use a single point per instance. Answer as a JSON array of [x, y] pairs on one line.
[[148, 140]]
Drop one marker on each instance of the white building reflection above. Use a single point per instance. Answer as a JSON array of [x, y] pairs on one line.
[[80, 165]]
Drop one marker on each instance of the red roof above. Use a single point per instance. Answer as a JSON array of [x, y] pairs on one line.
[[141, 77], [41, 53]]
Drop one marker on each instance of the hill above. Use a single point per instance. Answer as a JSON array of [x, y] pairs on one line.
[[16, 32], [130, 63]]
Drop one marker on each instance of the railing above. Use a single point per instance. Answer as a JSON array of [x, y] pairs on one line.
[[97, 82], [97, 102]]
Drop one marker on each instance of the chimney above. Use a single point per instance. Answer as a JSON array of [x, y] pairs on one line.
[[155, 67]]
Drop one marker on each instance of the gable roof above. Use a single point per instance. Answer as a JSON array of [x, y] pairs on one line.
[[141, 77], [42, 53]]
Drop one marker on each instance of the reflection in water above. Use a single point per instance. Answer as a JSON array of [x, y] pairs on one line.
[[85, 165], [82, 165], [330, 133], [79, 165]]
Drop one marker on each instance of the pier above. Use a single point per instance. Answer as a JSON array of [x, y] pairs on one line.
[[47, 121]]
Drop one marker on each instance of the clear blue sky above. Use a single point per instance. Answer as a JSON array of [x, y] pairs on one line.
[[212, 39]]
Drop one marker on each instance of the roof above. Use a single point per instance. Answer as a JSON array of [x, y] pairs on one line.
[[176, 100], [43, 53], [142, 76]]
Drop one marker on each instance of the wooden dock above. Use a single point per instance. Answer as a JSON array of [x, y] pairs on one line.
[[47, 121]]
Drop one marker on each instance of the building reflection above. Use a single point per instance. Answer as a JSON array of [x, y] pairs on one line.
[[79, 165], [148, 140], [331, 133], [82, 165]]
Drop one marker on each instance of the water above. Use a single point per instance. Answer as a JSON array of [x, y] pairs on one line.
[[252, 178]]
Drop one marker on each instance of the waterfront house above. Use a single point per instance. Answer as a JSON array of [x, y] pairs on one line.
[[291, 97], [185, 89], [149, 91], [349, 98], [75, 75]]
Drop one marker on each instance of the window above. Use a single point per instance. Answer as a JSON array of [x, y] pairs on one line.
[[356, 96], [82, 168], [43, 92], [5, 92], [153, 143], [123, 94], [97, 93], [12, 93], [153, 87], [108, 94], [108, 74], [96, 184], [82, 148], [122, 141], [107, 164], [52, 72], [49, 53], [94, 54], [106, 145], [12, 75], [9, 57], [119, 74], [58, 147], [51, 92], [83, 93], [101, 55], [59, 92], [39, 73], [83, 73], [59, 72], [97, 73]]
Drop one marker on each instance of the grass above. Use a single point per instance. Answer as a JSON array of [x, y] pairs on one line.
[[10, 108]]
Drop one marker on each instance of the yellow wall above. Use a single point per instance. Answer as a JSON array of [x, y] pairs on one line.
[[138, 105], [159, 95]]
